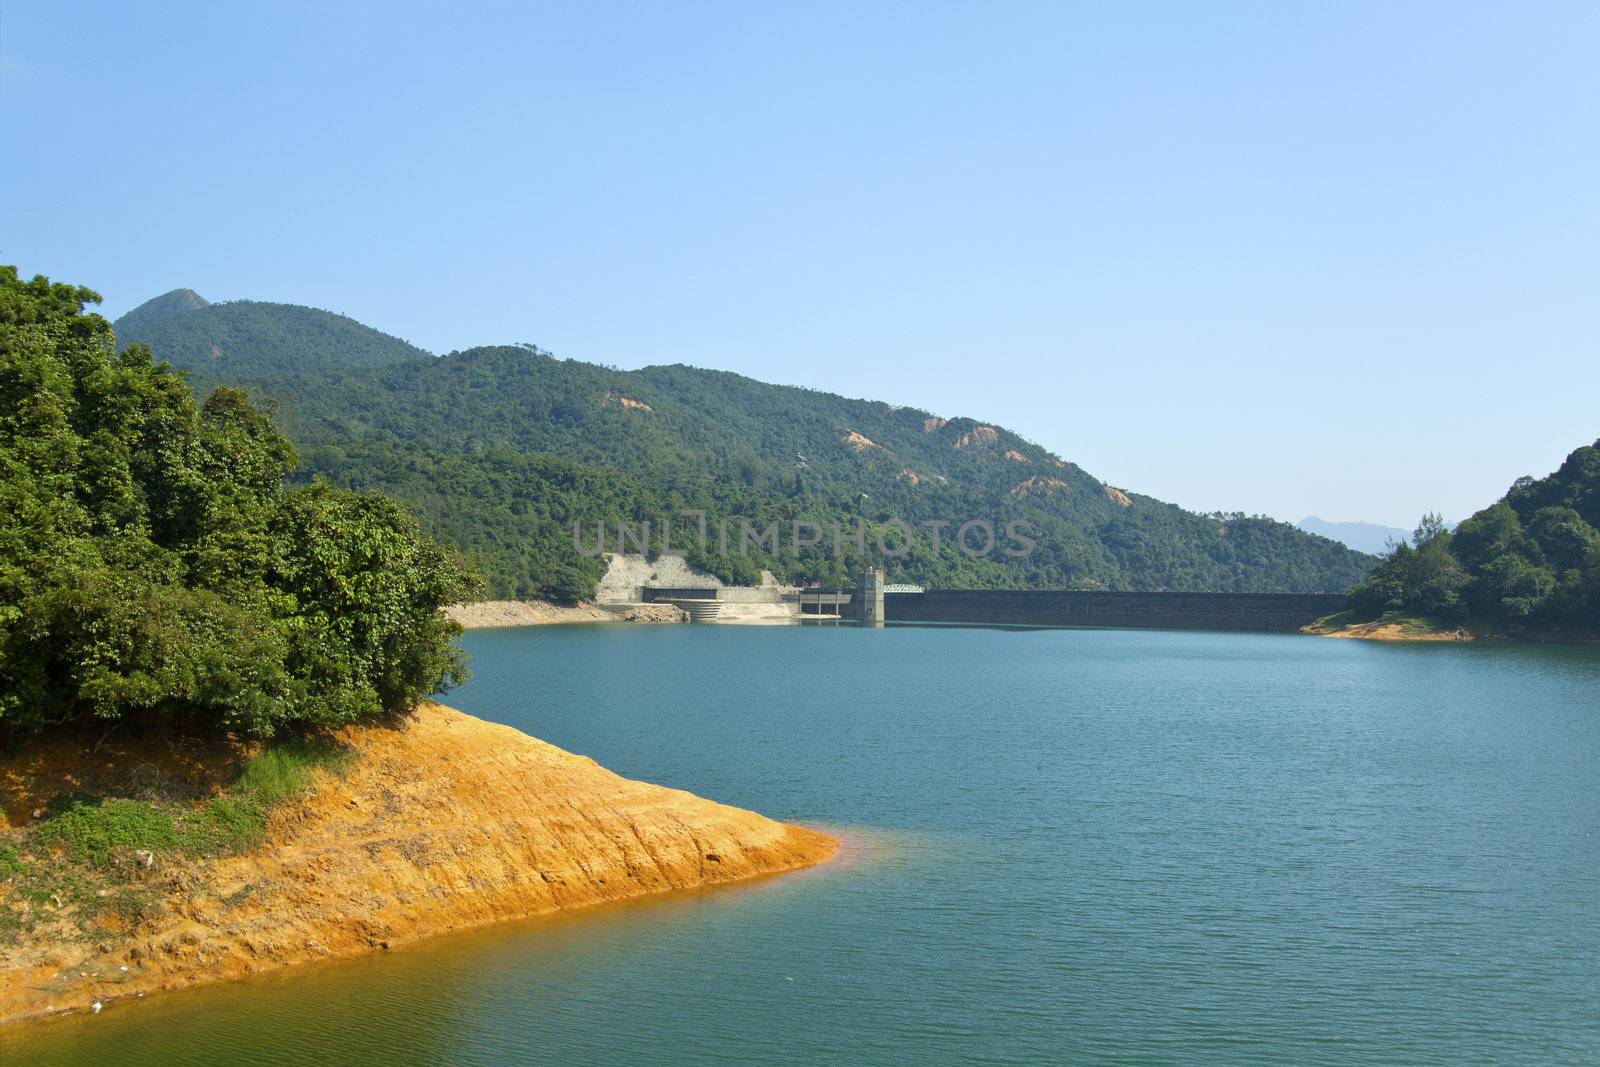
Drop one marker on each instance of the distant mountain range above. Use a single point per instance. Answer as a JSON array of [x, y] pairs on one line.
[[499, 450], [1361, 536]]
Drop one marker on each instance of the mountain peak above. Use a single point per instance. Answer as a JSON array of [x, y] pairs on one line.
[[160, 309], [184, 298], [247, 340]]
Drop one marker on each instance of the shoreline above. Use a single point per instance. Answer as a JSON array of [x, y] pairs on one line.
[[1387, 630], [446, 823], [1395, 628], [498, 614]]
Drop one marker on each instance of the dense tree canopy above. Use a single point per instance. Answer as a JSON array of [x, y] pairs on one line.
[[1529, 561], [154, 564]]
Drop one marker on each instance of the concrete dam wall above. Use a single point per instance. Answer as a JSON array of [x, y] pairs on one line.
[[1284, 612], [872, 604]]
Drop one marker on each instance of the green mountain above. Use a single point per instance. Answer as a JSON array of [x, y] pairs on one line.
[[247, 339], [500, 450], [1528, 564]]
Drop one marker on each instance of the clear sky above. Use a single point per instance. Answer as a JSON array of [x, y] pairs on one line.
[[1332, 258]]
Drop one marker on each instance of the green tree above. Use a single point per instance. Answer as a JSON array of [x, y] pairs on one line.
[[1511, 587], [365, 585], [1563, 537], [1430, 528], [1423, 578], [153, 565], [1490, 533]]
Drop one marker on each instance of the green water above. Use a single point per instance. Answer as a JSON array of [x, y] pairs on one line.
[[1067, 846]]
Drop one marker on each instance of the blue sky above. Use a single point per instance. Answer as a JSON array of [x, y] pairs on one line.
[[1292, 258]]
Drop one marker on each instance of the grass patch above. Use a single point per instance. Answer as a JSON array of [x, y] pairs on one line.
[[107, 832], [59, 886], [90, 829], [11, 863], [88, 853], [100, 830], [285, 771], [228, 824]]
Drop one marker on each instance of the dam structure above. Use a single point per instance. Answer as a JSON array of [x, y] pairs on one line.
[[1266, 612], [875, 603]]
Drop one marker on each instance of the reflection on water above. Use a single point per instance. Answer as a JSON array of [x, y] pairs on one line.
[[1084, 846]]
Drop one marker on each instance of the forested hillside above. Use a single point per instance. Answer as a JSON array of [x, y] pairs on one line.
[[219, 343], [499, 450], [1530, 561]]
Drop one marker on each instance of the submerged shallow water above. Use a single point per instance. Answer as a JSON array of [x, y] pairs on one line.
[[1086, 846]]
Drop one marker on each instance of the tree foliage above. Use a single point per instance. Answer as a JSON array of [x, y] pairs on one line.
[[1530, 560], [154, 564]]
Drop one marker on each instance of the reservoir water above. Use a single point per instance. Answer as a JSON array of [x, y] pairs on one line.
[[1070, 846]]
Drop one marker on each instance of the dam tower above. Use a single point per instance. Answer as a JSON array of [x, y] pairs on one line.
[[869, 595]]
